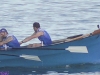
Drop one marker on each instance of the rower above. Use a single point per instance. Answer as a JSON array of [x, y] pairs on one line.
[[9, 40], [39, 33]]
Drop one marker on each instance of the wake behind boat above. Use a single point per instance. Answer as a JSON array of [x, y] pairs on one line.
[[61, 52]]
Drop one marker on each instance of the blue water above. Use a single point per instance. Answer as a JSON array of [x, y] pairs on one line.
[[61, 18], [75, 69]]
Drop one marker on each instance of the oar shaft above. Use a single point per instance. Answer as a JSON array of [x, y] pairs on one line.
[[41, 48], [10, 55]]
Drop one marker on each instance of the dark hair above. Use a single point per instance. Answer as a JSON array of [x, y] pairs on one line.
[[4, 30], [36, 24], [98, 26]]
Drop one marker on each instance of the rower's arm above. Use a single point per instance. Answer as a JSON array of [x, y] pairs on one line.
[[6, 41], [86, 35], [79, 37], [96, 32], [36, 35], [1, 39]]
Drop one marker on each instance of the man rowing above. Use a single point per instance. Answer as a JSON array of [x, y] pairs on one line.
[[8, 40], [39, 33]]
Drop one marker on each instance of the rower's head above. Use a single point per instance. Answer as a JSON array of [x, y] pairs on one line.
[[36, 26], [3, 32], [98, 26]]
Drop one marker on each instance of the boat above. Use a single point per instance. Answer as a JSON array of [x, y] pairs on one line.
[[64, 52]]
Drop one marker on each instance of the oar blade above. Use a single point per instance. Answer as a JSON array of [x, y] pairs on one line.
[[77, 49], [30, 57]]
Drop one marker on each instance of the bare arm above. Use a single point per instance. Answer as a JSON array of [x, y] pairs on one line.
[[36, 35], [1, 38], [96, 32], [86, 35], [6, 41]]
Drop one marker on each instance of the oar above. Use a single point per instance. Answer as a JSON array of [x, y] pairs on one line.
[[75, 49], [28, 57]]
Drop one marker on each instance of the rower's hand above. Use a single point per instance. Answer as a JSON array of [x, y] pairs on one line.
[[20, 42]]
